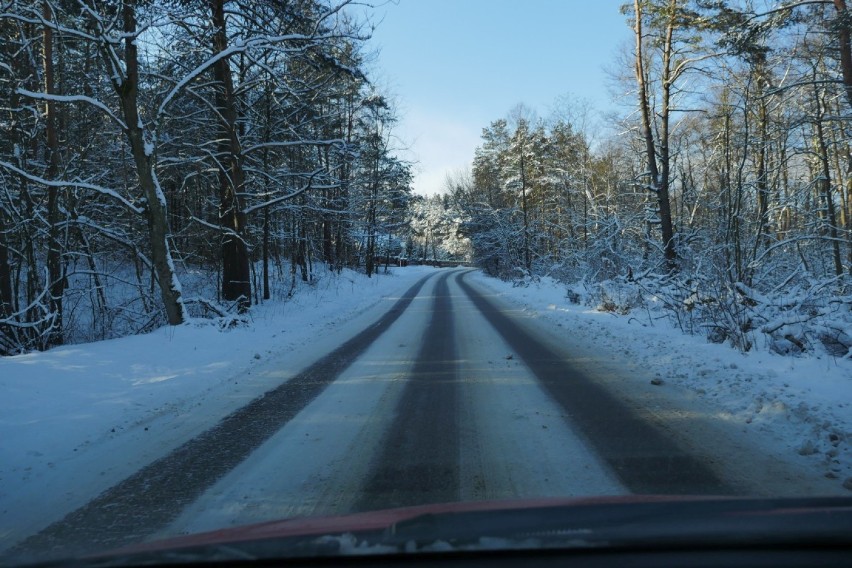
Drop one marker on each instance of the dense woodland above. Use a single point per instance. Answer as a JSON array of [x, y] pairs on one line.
[[203, 156], [154, 144], [726, 194]]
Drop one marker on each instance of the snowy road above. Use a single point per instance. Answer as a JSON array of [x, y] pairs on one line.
[[450, 395]]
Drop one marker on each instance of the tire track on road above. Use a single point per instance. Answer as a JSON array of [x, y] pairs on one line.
[[155, 495], [644, 459], [419, 462]]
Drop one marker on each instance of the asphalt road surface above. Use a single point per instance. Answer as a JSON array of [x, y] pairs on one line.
[[450, 395]]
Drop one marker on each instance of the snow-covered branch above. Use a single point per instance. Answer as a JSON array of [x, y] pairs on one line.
[[70, 183], [293, 143], [296, 193], [74, 99]]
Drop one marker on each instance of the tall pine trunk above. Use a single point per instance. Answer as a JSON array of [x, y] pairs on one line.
[[236, 276], [827, 194], [657, 170], [55, 272], [844, 40], [7, 304], [527, 259]]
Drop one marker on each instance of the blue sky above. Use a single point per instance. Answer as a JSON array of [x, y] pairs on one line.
[[453, 66]]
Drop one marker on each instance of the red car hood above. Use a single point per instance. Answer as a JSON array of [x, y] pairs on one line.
[[637, 520], [379, 520]]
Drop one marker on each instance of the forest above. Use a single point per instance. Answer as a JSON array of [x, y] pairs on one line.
[[723, 199], [179, 159], [171, 160]]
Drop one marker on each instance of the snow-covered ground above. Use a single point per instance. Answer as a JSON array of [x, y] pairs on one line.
[[797, 408], [76, 420]]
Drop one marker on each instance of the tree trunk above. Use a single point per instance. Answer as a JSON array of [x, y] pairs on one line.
[[761, 181], [7, 304], [845, 45], [845, 48], [266, 293], [659, 175], [663, 200], [826, 190], [236, 276], [55, 272], [143, 157], [527, 260], [302, 248]]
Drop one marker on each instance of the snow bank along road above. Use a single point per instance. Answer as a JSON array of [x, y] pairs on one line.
[[449, 395]]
